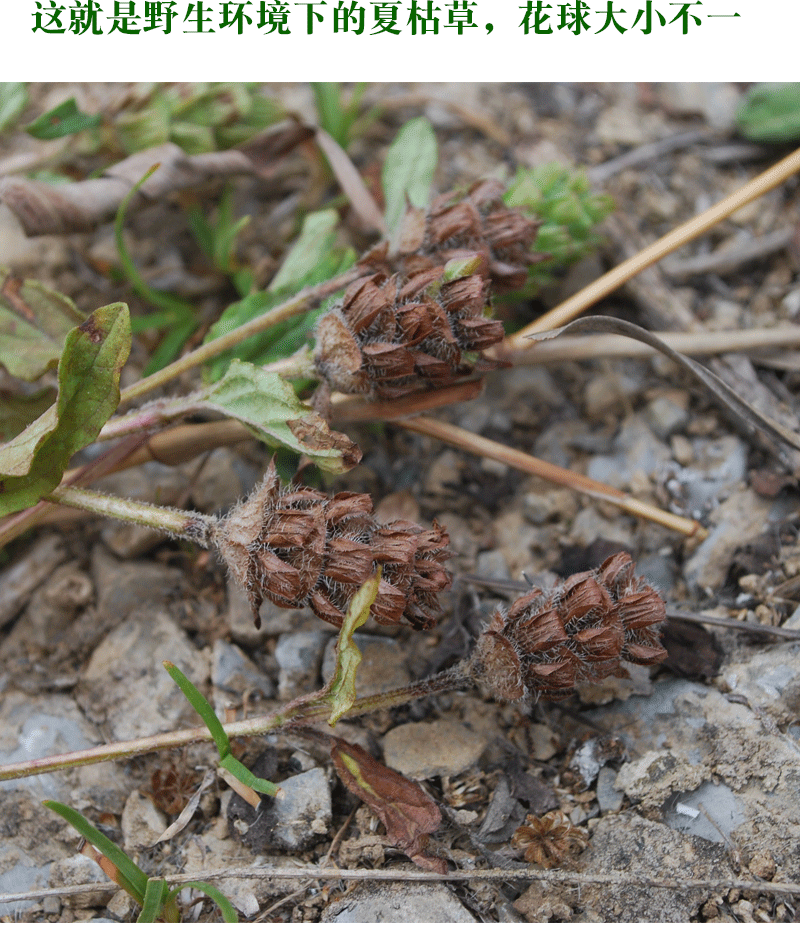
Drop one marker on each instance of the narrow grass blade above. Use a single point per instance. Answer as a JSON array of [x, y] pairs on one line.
[[61, 121], [155, 897], [203, 708], [229, 915], [243, 774], [130, 877]]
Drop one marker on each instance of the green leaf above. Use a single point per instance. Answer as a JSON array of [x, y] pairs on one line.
[[330, 110], [31, 465], [263, 112], [408, 170], [771, 112], [213, 104], [155, 897], [130, 877], [203, 708], [334, 116], [192, 138], [34, 323], [313, 258], [269, 407], [243, 774], [172, 343], [145, 128], [13, 99], [217, 239], [341, 689], [310, 249], [63, 120], [228, 913]]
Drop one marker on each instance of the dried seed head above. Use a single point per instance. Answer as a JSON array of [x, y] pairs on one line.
[[476, 223], [581, 631], [548, 840], [296, 546], [391, 335]]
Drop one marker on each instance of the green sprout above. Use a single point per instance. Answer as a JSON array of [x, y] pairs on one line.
[[153, 895]]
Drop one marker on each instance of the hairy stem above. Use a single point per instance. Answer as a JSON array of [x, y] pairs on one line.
[[183, 524], [306, 710], [302, 302]]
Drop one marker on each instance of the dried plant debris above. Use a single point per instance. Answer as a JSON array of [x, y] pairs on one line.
[[548, 840], [477, 223], [392, 335], [407, 811], [297, 546], [58, 209], [583, 630]]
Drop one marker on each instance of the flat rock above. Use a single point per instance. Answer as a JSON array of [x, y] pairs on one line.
[[692, 747], [715, 101], [302, 810], [656, 776], [299, 657], [635, 449], [609, 798], [739, 519], [142, 823], [769, 680], [439, 748], [233, 673], [544, 743], [397, 903], [42, 626], [19, 580], [43, 725], [211, 852], [32, 840], [78, 869], [295, 820], [132, 654], [123, 586], [628, 843]]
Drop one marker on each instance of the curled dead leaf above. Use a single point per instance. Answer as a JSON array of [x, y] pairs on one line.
[[314, 434], [45, 209], [406, 810]]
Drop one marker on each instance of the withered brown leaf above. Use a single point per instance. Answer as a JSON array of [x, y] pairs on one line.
[[407, 812]]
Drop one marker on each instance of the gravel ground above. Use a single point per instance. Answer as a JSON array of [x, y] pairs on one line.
[[680, 784]]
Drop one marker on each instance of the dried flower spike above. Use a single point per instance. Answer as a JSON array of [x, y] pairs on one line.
[[548, 840], [391, 335], [546, 643], [477, 223], [296, 546]]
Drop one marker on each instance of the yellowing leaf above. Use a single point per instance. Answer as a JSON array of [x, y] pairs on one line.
[[341, 689]]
